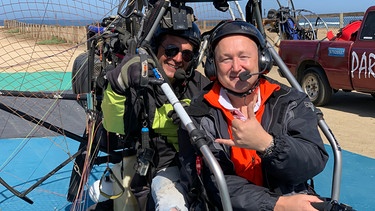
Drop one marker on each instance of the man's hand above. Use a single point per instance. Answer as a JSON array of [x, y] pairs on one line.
[[173, 115], [131, 70], [248, 133], [298, 202], [128, 73]]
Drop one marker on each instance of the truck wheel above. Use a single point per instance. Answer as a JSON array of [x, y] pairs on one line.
[[315, 84]]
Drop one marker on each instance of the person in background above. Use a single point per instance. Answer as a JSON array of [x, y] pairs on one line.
[[176, 52], [263, 134]]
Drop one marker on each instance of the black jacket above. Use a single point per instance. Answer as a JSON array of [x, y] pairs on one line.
[[299, 152], [143, 103]]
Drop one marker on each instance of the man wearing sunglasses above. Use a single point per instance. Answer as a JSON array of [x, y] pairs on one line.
[[176, 51]]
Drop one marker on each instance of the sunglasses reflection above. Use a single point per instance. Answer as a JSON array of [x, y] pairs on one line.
[[172, 50]]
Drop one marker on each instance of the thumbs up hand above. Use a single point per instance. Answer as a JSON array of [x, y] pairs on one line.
[[247, 132]]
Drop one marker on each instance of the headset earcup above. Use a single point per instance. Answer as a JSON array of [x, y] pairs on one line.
[[209, 67], [265, 61]]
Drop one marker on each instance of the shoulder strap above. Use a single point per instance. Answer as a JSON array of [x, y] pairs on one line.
[[197, 193]]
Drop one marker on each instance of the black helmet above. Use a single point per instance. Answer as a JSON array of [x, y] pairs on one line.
[[232, 27], [236, 27], [192, 34]]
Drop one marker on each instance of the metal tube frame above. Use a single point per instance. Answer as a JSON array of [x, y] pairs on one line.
[[337, 169]]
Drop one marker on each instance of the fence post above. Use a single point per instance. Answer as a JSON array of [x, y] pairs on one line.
[[341, 20]]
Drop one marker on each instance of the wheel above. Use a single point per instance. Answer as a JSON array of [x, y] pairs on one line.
[[373, 95], [80, 81], [315, 85], [80, 74]]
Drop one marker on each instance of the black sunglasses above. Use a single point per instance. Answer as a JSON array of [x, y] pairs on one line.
[[172, 51]]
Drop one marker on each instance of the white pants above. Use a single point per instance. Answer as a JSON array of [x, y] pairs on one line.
[[167, 191]]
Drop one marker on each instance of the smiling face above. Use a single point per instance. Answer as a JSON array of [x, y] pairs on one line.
[[171, 63], [234, 55]]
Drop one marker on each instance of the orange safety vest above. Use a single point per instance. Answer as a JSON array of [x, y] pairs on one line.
[[246, 162]]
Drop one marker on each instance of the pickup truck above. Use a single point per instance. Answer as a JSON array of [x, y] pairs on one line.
[[343, 62]]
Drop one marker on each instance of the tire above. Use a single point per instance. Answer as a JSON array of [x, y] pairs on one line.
[[80, 81], [80, 74], [315, 84]]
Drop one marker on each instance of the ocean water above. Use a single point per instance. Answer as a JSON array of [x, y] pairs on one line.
[[332, 21]]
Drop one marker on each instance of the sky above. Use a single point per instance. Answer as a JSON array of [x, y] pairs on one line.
[[322, 6], [87, 9]]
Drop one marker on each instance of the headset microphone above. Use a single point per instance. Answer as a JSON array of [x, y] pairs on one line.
[[245, 75]]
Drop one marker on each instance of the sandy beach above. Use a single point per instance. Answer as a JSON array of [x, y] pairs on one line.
[[350, 116], [20, 53]]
